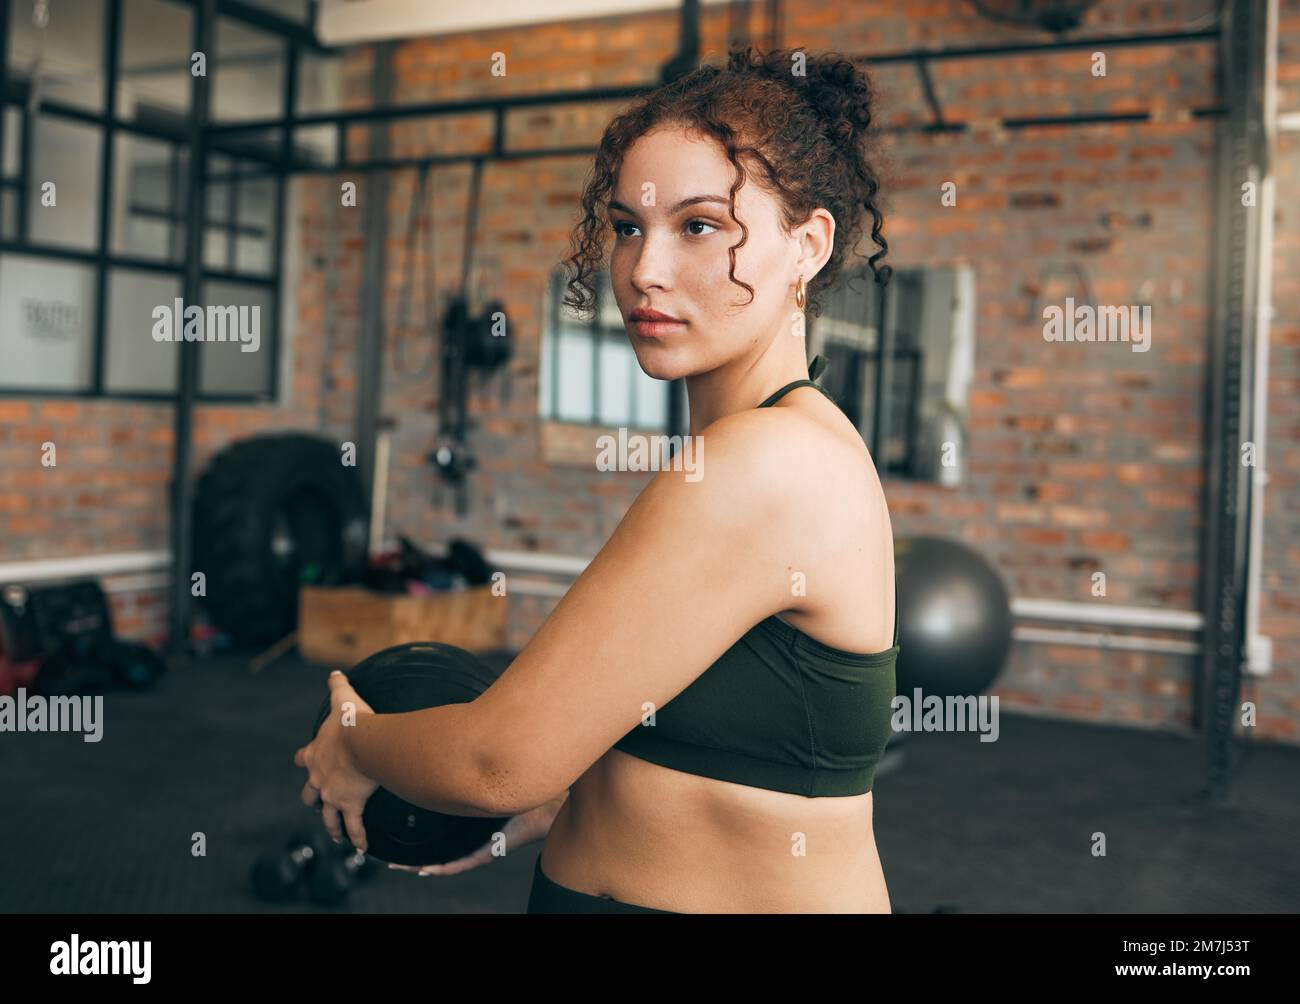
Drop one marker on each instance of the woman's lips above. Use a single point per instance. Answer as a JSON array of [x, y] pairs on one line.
[[657, 329]]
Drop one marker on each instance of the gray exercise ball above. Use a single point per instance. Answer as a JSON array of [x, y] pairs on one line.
[[954, 626]]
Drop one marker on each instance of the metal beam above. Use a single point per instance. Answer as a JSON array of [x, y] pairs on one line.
[[187, 364], [1241, 156], [883, 394], [298, 32], [433, 109], [931, 98], [370, 348], [300, 166], [4, 89], [1096, 42], [107, 155]]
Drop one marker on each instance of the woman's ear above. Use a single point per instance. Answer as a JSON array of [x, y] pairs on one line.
[[816, 242]]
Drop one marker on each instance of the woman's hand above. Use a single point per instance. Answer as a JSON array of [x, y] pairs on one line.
[[518, 831], [333, 780]]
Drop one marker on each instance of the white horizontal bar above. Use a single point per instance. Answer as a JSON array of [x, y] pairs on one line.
[[128, 562], [1093, 639], [1103, 613], [531, 561], [91, 564], [124, 562]]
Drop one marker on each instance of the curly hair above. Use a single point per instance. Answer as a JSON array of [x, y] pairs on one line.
[[810, 152]]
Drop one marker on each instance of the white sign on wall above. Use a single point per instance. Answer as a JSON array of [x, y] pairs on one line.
[[46, 314]]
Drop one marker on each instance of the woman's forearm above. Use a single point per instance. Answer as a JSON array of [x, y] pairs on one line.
[[428, 758]]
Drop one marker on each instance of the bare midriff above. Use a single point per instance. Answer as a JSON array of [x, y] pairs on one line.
[[640, 833]]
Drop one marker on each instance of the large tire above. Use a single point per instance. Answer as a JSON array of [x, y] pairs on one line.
[[271, 514]]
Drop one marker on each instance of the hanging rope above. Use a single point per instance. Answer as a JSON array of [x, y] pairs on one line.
[[401, 356]]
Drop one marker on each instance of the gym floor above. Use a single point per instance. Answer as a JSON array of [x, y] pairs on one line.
[[961, 826]]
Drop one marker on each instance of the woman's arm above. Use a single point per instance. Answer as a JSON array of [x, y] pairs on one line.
[[397, 751], [694, 564], [699, 558], [429, 758]]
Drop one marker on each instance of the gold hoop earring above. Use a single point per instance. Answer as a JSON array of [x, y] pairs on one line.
[[799, 296]]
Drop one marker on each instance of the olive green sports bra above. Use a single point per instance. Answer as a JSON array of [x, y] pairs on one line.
[[779, 710]]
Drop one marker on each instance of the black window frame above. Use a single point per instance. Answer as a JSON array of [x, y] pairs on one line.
[[268, 156]]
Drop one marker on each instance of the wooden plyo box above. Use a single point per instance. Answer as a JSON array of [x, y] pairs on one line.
[[341, 626]]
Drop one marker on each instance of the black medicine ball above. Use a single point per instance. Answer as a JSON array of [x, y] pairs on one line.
[[955, 623], [411, 678]]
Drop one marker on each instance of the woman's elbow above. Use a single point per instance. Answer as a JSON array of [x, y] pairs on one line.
[[511, 790]]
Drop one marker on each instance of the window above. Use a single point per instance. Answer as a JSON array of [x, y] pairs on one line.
[[63, 182], [590, 375], [911, 413], [94, 162], [136, 363], [241, 217], [157, 39], [251, 73], [67, 55], [47, 311], [10, 188], [149, 206]]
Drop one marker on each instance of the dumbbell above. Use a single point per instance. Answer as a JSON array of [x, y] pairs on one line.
[[278, 877], [334, 876]]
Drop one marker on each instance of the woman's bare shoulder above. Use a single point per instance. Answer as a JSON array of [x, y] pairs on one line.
[[791, 457]]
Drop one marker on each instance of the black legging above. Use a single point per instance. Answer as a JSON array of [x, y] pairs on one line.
[[551, 897]]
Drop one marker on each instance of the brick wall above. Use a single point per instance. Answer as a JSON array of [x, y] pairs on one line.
[[1081, 458], [1279, 695]]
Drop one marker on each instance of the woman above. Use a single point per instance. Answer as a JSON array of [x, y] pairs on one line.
[[713, 691]]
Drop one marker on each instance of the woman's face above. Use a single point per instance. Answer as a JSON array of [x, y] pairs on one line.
[[672, 230]]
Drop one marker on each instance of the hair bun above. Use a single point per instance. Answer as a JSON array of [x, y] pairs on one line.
[[831, 84]]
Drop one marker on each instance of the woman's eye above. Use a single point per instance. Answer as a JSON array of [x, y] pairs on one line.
[[618, 227]]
